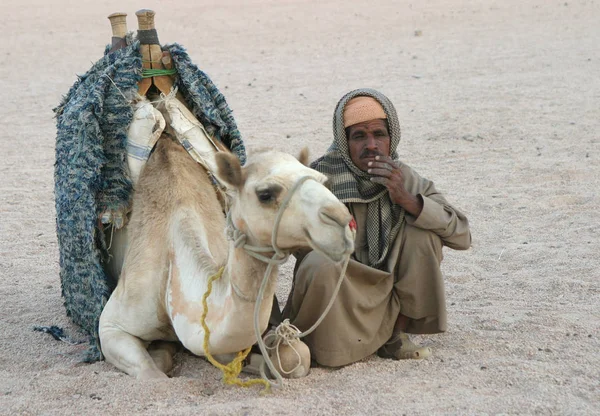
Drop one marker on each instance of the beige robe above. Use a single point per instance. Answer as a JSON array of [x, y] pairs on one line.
[[363, 316]]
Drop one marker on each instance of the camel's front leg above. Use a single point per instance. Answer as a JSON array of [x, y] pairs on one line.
[[122, 349], [162, 353], [128, 353]]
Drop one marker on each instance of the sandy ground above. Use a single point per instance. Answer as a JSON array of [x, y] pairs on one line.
[[500, 106]]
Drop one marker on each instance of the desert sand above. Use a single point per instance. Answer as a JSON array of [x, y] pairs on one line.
[[500, 106]]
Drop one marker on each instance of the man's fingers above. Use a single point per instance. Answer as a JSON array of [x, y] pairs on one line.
[[380, 172], [380, 180], [386, 159], [380, 165], [385, 162]]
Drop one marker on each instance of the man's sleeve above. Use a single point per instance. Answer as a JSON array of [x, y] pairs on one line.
[[437, 215]]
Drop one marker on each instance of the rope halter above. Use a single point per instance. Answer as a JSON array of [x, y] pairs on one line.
[[285, 332], [240, 239]]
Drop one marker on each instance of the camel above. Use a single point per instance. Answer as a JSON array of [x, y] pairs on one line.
[[177, 240]]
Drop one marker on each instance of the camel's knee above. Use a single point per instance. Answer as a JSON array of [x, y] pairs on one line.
[[162, 353], [127, 352]]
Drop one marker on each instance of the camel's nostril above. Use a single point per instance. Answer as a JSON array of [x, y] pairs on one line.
[[329, 217], [352, 224]]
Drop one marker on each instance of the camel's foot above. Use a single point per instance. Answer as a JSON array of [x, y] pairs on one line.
[[151, 374], [162, 353], [400, 347], [224, 358]]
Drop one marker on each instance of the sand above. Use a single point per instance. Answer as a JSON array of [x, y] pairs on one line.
[[500, 105]]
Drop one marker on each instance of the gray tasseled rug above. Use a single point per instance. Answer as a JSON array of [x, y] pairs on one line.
[[91, 173]]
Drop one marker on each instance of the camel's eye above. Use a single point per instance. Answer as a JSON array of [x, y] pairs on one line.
[[268, 194], [264, 196]]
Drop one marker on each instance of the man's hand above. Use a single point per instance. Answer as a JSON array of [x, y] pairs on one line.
[[387, 172]]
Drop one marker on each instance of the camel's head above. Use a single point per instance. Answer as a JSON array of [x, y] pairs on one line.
[[313, 218]]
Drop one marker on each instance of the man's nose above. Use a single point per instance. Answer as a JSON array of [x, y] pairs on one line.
[[371, 142]]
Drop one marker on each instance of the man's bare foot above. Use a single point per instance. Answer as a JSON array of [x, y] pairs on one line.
[[400, 347]]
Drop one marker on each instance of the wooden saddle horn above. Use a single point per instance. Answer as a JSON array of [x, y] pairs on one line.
[[118, 21], [153, 56]]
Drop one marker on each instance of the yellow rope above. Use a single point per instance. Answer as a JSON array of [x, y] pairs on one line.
[[232, 370]]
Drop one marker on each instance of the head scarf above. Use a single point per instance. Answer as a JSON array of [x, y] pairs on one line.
[[350, 184]]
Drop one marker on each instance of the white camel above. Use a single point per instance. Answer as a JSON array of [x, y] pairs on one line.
[[177, 240]]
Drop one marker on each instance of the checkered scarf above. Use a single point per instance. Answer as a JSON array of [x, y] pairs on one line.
[[350, 184]]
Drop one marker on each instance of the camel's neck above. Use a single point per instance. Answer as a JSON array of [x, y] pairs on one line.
[[240, 285], [245, 275], [232, 302], [245, 272]]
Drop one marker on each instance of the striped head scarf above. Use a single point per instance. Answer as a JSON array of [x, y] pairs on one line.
[[350, 184]]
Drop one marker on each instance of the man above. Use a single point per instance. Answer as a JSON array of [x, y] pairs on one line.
[[393, 283]]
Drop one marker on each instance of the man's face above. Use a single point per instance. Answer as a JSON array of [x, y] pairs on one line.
[[367, 140]]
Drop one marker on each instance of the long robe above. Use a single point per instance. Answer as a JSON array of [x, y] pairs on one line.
[[363, 316]]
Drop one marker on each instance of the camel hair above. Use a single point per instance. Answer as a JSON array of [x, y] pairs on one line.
[[178, 239]]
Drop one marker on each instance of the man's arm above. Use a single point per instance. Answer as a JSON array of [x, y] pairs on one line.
[[426, 207]]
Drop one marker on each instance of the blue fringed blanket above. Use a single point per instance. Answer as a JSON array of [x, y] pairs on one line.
[[91, 166]]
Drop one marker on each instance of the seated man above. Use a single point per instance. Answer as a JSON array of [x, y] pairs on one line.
[[393, 283]]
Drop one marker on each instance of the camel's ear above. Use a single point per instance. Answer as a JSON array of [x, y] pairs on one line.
[[229, 169], [303, 156]]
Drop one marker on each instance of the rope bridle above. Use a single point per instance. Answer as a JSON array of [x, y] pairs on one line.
[[285, 332]]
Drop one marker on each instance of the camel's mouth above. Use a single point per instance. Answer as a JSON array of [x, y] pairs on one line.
[[335, 250]]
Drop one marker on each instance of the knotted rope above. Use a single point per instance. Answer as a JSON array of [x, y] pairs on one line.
[[285, 332], [232, 370], [288, 331]]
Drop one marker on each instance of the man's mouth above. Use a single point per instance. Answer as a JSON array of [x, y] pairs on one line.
[[370, 155]]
